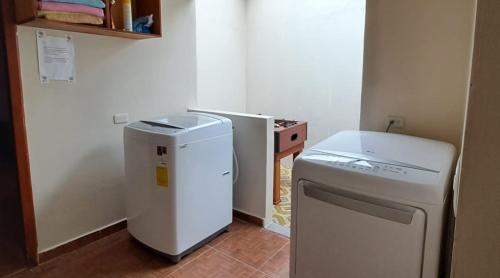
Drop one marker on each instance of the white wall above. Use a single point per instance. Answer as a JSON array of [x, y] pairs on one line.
[[417, 64], [254, 146], [221, 54], [76, 152], [304, 62]]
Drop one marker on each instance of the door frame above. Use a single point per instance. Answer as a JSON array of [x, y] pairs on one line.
[[7, 14]]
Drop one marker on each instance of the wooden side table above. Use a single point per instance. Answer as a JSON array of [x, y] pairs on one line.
[[296, 150], [289, 138]]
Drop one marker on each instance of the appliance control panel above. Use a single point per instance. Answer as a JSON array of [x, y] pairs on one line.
[[364, 166], [360, 165], [384, 170]]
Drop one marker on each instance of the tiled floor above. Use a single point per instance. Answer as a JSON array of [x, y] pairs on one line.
[[283, 211], [245, 251]]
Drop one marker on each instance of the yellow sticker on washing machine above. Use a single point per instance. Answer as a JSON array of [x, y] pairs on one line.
[[162, 175]]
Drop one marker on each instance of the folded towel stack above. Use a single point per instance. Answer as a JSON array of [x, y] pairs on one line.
[[73, 11]]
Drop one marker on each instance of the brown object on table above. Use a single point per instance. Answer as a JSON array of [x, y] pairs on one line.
[[289, 138]]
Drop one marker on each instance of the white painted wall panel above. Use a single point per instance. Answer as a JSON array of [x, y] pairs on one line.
[[221, 54], [305, 61], [76, 152], [254, 146]]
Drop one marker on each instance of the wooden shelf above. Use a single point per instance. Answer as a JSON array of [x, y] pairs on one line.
[[88, 29], [26, 14]]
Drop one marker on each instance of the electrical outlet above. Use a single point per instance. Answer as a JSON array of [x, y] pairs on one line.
[[398, 121], [121, 118]]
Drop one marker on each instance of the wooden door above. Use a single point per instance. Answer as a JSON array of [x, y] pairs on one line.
[[12, 256], [14, 134]]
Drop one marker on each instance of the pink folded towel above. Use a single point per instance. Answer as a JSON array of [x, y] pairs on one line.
[[73, 8]]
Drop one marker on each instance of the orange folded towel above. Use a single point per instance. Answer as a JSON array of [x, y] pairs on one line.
[[71, 17]]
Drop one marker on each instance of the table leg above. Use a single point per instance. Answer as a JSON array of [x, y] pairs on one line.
[[296, 154], [277, 182]]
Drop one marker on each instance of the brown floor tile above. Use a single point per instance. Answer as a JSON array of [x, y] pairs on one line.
[[214, 264], [278, 265], [252, 245], [220, 238], [163, 268], [260, 274], [234, 254], [236, 227], [114, 256]]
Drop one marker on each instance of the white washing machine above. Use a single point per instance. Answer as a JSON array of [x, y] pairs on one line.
[[179, 189], [369, 204]]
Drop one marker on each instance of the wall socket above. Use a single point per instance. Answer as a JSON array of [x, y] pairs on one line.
[[398, 121], [121, 118]]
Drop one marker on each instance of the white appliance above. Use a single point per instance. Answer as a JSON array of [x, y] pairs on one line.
[[179, 189], [369, 204]]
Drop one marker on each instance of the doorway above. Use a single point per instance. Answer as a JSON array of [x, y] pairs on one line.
[[12, 256]]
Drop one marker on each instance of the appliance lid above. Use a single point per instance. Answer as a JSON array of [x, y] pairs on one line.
[[191, 126], [393, 166], [391, 149], [183, 121]]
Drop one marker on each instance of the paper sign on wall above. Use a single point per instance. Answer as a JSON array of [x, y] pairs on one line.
[[56, 58]]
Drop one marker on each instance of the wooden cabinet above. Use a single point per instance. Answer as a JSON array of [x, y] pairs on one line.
[[26, 14]]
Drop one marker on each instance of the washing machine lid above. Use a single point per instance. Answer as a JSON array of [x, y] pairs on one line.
[[185, 127], [391, 149], [183, 121], [383, 164]]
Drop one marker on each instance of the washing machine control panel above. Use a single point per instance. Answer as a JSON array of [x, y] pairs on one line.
[[365, 166], [357, 165], [360, 164]]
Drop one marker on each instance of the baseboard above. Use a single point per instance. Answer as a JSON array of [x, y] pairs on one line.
[[82, 241], [248, 218]]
